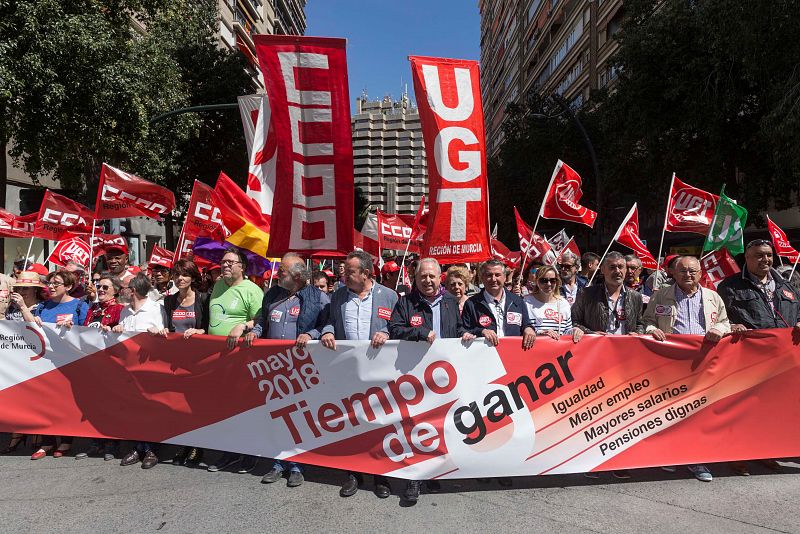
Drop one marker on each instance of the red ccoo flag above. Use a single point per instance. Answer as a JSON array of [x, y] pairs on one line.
[[628, 235], [20, 226], [690, 209], [571, 246], [539, 249], [161, 257], [59, 214], [563, 196], [502, 253], [781, 241], [124, 195], [717, 266]]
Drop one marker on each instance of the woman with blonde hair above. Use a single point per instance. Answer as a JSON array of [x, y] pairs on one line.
[[457, 281], [548, 310]]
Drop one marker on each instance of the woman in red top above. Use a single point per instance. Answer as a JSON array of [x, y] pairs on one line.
[[105, 312]]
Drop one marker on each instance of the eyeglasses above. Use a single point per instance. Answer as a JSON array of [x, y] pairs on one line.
[[758, 243], [566, 265], [229, 263], [551, 281], [692, 272], [54, 284]]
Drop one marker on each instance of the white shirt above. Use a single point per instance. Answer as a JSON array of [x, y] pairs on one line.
[[150, 314], [499, 311], [555, 315]]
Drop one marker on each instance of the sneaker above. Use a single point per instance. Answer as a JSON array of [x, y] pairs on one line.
[[295, 479], [273, 475], [411, 494], [700, 472], [227, 460], [669, 468], [621, 474], [194, 458], [248, 464]]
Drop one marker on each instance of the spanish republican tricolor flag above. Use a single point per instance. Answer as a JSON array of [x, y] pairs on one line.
[[242, 216]]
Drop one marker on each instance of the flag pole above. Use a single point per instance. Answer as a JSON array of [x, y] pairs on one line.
[[403, 263], [797, 258], [528, 248], [91, 252], [28, 254], [616, 235], [663, 231]]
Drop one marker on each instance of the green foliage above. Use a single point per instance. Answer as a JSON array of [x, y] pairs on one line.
[[80, 80], [708, 89]]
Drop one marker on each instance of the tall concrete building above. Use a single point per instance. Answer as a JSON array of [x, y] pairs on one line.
[[241, 19], [389, 154], [552, 46]]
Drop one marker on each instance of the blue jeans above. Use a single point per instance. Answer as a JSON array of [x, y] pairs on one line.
[[293, 467]]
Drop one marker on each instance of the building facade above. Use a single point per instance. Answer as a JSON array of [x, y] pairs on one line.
[[239, 20], [389, 154], [551, 46]]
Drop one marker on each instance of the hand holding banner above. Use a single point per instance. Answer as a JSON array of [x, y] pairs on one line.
[[120, 194]]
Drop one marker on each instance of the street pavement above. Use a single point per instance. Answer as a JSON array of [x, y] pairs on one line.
[[68, 495]]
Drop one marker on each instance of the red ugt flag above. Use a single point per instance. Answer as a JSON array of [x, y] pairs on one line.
[[781, 242], [628, 235], [449, 99], [561, 201], [71, 249], [306, 80], [538, 249], [690, 209], [124, 195], [59, 214]]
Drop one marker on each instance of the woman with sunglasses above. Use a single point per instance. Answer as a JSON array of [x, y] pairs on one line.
[[548, 310], [186, 313], [105, 312], [63, 310]]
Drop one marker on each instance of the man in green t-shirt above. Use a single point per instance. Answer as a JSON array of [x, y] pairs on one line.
[[234, 303]]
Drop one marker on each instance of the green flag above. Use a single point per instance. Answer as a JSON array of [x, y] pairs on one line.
[[727, 226]]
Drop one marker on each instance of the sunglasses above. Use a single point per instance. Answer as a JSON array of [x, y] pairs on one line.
[[758, 243], [566, 265], [104, 287], [551, 281]]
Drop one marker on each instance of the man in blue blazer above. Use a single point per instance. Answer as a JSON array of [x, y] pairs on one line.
[[496, 312], [360, 310]]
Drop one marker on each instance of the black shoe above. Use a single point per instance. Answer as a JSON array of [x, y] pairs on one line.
[[248, 464], [194, 458], [411, 494], [131, 458], [295, 479], [273, 475], [93, 451], [350, 487], [150, 460], [228, 459], [180, 458], [382, 487]]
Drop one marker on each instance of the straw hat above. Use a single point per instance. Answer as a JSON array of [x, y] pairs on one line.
[[28, 279]]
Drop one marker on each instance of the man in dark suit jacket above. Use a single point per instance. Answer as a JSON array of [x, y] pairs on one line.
[[426, 315], [608, 307], [360, 310], [495, 305]]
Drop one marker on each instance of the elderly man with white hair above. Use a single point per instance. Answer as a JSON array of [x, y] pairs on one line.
[[426, 314]]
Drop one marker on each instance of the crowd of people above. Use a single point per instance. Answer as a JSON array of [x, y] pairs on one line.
[[406, 299]]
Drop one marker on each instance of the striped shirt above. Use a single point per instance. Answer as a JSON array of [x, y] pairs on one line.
[[689, 318], [549, 315]]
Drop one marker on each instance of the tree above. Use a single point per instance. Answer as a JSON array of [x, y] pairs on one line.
[[80, 80]]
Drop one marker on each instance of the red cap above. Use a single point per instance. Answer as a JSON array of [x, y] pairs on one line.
[[328, 273], [390, 267], [667, 260], [38, 268], [115, 246], [214, 266]]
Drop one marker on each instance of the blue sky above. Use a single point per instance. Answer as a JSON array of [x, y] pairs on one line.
[[382, 34]]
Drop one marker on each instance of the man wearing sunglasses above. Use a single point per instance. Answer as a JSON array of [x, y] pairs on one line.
[[571, 283]]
